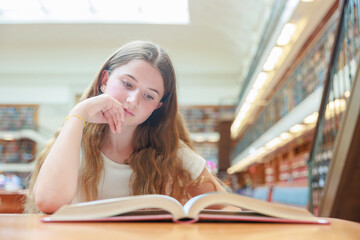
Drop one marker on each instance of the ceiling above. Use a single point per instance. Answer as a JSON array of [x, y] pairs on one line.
[[211, 54]]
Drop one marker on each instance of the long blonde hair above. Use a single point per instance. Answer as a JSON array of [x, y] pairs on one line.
[[155, 162]]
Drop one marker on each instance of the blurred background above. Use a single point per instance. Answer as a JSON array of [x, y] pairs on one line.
[[263, 85]]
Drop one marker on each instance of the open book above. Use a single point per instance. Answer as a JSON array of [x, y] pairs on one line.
[[161, 207]]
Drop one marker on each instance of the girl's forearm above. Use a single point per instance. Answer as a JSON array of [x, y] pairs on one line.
[[57, 180]]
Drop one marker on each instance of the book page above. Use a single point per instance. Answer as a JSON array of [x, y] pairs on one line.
[[195, 205], [117, 206]]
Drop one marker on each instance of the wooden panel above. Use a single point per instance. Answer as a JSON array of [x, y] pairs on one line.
[[11, 202], [347, 200], [224, 145]]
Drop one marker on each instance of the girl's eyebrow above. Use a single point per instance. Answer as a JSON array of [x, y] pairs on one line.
[[133, 78], [154, 90]]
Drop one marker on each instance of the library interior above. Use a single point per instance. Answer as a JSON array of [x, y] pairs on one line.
[[266, 88]]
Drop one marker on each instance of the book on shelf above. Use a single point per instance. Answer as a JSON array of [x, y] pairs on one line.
[[155, 207]]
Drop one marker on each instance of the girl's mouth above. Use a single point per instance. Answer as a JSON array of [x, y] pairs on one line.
[[127, 112]]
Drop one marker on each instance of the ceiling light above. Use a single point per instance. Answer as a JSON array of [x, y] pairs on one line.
[[347, 94], [199, 138], [273, 58], [285, 136], [337, 105], [237, 122], [286, 34], [214, 138], [311, 118], [235, 127], [297, 128], [57, 8], [243, 163], [260, 80], [94, 11], [273, 143], [261, 151], [252, 95], [244, 108], [11, 5]]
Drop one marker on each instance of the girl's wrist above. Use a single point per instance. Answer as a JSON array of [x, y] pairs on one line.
[[76, 116], [78, 111]]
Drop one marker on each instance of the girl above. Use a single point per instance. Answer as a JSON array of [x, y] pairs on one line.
[[126, 137]]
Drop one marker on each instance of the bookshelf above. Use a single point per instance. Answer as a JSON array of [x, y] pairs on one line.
[[201, 119], [287, 165], [297, 95], [17, 150], [202, 122], [305, 79]]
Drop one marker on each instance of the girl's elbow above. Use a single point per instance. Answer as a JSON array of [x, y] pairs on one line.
[[48, 203]]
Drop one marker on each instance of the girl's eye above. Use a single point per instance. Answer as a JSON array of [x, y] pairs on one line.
[[149, 96], [126, 84]]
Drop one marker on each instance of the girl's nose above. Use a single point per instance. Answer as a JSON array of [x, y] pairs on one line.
[[133, 97]]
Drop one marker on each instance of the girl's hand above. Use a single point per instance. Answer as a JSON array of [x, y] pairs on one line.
[[101, 109]]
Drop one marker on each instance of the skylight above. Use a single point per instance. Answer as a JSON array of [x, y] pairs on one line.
[[94, 11]]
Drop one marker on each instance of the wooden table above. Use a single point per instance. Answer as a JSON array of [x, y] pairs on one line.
[[22, 226]]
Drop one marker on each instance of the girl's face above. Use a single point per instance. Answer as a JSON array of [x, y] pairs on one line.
[[138, 86]]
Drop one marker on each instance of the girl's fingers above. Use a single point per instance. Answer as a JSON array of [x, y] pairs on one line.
[[122, 114], [110, 120], [118, 121], [115, 118], [105, 109], [118, 127], [120, 117], [114, 115]]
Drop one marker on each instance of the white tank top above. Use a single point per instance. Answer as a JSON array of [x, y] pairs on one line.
[[114, 182]]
